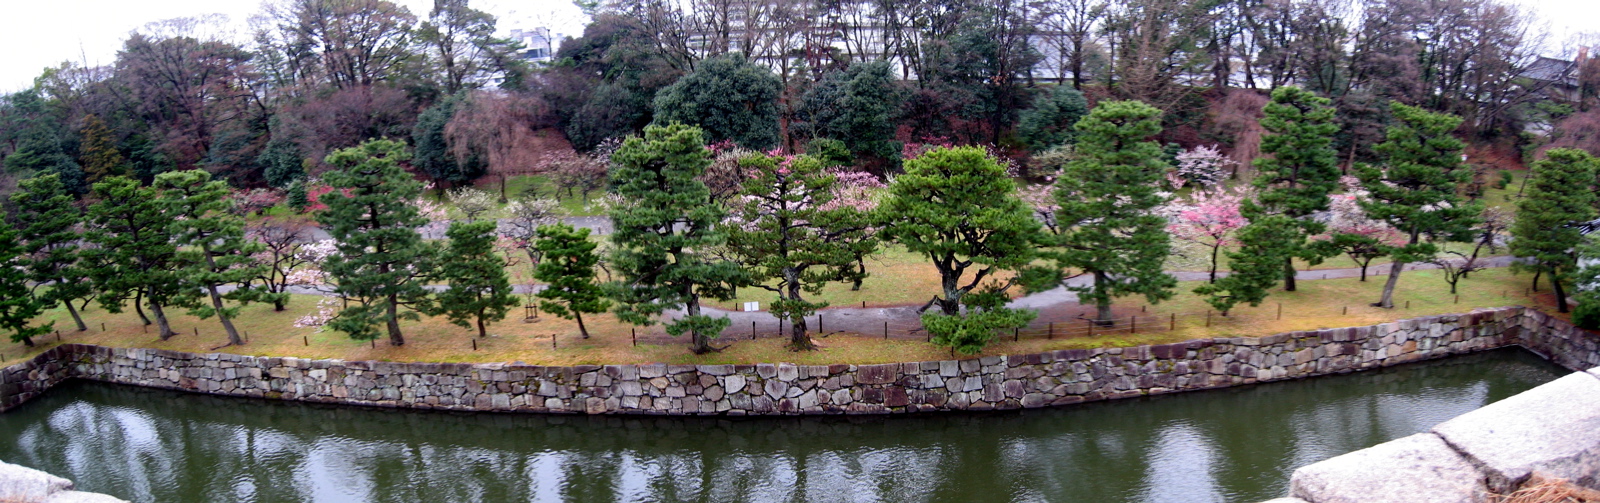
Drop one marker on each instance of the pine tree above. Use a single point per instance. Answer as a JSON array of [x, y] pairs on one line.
[[957, 207], [382, 262], [1106, 225], [1293, 182], [134, 256], [1559, 196], [665, 232], [49, 233], [213, 251], [18, 305], [479, 292], [568, 270], [100, 155], [1417, 189], [297, 198], [39, 152], [794, 238]]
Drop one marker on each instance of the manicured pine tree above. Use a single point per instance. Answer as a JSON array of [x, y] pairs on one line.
[[135, 256], [1293, 181], [793, 239], [664, 234], [1559, 196], [50, 239], [959, 208], [1417, 191], [382, 262], [18, 305], [568, 270], [1106, 225], [213, 251], [480, 292]]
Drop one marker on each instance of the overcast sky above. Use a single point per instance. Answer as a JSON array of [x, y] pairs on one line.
[[35, 34]]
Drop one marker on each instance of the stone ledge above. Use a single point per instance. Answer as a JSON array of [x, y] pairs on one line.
[[20, 484], [1553, 429], [1420, 467]]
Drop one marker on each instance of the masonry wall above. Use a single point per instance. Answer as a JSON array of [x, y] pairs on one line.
[[988, 383]]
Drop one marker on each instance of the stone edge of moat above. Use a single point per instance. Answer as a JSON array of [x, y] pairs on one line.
[[980, 384], [20, 484]]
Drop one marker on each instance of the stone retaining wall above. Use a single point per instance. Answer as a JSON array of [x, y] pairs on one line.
[[988, 383]]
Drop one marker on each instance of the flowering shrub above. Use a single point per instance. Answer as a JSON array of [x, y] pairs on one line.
[[1204, 166]]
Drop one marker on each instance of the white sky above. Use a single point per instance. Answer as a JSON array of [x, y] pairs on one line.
[[35, 34]]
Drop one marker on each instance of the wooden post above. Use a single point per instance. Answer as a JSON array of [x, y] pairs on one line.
[[552, 341], [819, 323], [1280, 310], [1408, 304], [1016, 335], [1141, 308], [58, 336], [1208, 318], [1345, 311], [102, 326], [1091, 328], [1052, 331], [863, 304], [196, 331], [1133, 324], [752, 330], [886, 330], [1174, 324], [474, 344], [635, 333], [305, 339], [1458, 299], [374, 343]]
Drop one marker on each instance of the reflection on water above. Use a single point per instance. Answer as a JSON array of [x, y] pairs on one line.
[[1226, 445]]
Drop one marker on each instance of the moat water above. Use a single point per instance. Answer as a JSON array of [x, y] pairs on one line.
[[1230, 445]]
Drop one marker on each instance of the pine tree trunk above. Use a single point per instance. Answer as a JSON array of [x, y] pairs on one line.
[[799, 335], [1104, 317], [1288, 274], [1561, 294], [161, 320], [482, 331], [138, 303], [581, 329], [1387, 302], [699, 343], [76, 318], [393, 315], [227, 324], [27, 341], [278, 305]]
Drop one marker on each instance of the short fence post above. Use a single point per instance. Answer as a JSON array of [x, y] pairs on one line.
[[1458, 299], [1016, 334], [196, 331], [1133, 324], [374, 342], [1408, 304], [306, 339], [474, 344], [635, 333], [1174, 324], [1052, 331], [1345, 311], [552, 341], [819, 323], [1208, 318], [1280, 310], [102, 326], [1091, 328], [752, 330], [886, 330]]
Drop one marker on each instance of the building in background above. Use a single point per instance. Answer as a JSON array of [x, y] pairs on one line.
[[539, 45]]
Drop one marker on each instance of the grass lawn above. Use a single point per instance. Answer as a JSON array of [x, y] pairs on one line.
[[1318, 304]]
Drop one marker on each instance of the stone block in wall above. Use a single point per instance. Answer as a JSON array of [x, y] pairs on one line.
[[1398, 471], [1552, 429]]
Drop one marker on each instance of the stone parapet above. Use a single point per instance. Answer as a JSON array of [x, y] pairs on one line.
[[978, 384]]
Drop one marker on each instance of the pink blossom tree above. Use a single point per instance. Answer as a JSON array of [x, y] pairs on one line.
[[1209, 218], [1354, 234]]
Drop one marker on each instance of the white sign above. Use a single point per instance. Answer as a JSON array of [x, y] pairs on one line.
[[752, 306]]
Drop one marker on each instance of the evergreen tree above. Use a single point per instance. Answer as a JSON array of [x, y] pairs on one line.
[[958, 208], [100, 155], [382, 262], [858, 106], [297, 198], [480, 292], [1293, 182], [39, 152], [49, 234], [213, 251], [1050, 121], [568, 269], [18, 305], [1106, 225], [134, 254], [1559, 196], [433, 148], [282, 161], [665, 232], [1417, 189], [793, 238], [728, 98]]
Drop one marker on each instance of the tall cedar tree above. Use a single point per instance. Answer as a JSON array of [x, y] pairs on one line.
[[100, 157], [134, 254], [1560, 195], [18, 305], [1417, 191], [568, 269], [793, 239], [1293, 182], [732, 99], [1106, 225], [480, 292], [50, 243], [959, 208], [665, 232], [382, 261], [213, 249]]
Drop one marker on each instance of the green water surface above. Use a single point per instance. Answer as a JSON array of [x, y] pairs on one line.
[[1235, 445]]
